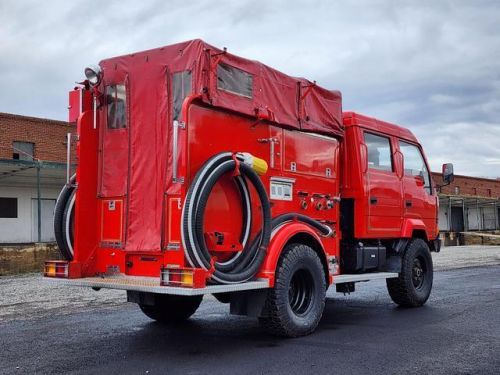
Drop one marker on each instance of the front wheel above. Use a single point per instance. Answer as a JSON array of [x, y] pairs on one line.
[[414, 284], [171, 308], [295, 305]]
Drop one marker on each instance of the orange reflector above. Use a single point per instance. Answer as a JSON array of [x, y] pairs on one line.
[[187, 278], [50, 270]]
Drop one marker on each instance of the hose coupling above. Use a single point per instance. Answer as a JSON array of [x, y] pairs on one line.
[[257, 164]]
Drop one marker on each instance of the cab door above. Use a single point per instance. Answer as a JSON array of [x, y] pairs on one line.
[[419, 198], [383, 187]]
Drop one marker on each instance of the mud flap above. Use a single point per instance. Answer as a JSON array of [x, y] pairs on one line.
[[249, 303], [141, 298]]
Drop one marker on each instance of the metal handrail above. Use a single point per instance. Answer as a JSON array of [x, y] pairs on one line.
[[68, 157], [175, 140]]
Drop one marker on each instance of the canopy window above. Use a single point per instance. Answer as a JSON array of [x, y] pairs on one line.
[[234, 80]]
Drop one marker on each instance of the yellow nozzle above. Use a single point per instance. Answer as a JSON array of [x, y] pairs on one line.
[[258, 165]]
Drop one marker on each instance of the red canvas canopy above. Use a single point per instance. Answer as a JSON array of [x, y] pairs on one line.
[[137, 157], [291, 102]]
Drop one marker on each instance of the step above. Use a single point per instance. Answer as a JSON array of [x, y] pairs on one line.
[[358, 277]]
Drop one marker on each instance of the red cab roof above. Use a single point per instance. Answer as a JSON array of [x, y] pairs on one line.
[[357, 119]]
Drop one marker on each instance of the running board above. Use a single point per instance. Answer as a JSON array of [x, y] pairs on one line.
[[152, 285], [354, 278]]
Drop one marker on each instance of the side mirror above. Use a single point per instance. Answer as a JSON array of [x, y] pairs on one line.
[[448, 176], [420, 181]]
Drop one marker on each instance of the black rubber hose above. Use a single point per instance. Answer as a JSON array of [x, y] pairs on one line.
[[225, 167], [281, 219], [322, 228], [193, 218], [68, 222], [193, 196], [235, 260], [252, 256], [60, 214]]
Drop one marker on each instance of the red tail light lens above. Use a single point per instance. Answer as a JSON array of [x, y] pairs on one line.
[[183, 277], [56, 268]]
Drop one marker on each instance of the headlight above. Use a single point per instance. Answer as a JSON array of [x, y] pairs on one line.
[[93, 74]]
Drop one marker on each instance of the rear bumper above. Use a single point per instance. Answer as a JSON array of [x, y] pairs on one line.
[[152, 285]]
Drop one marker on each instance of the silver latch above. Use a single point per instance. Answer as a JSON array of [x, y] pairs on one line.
[[272, 141]]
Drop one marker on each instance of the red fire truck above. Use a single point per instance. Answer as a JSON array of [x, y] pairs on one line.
[[201, 172]]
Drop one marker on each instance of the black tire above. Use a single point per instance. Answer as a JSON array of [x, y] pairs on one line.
[[414, 284], [295, 305], [171, 308]]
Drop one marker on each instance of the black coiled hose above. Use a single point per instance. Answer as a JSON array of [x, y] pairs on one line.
[[293, 216], [248, 262], [244, 266], [63, 219]]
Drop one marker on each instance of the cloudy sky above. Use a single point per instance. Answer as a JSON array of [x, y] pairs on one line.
[[433, 66]]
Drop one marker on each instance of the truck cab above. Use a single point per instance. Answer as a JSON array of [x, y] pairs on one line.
[[388, 196], [387, 176]]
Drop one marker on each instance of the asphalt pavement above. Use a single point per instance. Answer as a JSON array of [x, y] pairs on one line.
[[457, 332]]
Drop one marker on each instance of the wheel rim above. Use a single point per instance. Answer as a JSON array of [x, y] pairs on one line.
[[418, 272], [301, 292]]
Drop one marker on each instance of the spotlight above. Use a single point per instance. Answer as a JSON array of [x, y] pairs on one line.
[[93, 74]]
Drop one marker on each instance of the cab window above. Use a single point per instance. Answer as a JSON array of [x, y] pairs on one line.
[[414, 164], [379, 152], [116, 104]]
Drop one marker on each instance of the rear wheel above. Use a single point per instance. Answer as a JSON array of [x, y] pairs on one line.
[[170, 308], [414, 284], [295, 305]]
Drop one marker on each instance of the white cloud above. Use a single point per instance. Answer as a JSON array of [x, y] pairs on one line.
[[431, 66]]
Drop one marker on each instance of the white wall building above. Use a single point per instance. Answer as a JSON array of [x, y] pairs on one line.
[[19, 200], [33, 155]]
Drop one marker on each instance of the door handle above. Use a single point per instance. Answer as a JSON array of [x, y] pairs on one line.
[[408, 203], [373, 200]]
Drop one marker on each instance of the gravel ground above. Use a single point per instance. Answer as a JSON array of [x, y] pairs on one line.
[[466, 256], [29, 296]]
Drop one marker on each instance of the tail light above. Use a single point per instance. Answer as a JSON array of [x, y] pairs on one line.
[[56, 268], [183, 277]]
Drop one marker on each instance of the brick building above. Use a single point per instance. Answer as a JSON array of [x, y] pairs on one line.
[[48, 137], [469, 204], [32, 172]]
